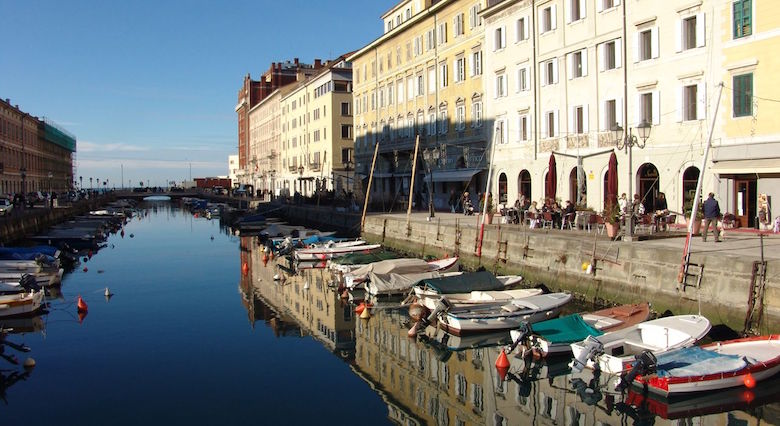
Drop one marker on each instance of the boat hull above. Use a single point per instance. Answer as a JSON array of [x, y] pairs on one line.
[[20, 304]]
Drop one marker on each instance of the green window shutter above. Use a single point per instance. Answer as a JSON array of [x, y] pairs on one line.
[[742, 16], [743, 95]]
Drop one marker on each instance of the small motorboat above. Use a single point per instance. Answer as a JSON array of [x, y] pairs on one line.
[[555, 336], [397, 266], [323, 253], [20, 303], [719, 365], [470, 289], [614, 352]]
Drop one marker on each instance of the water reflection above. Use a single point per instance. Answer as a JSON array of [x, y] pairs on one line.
[[448, 380]]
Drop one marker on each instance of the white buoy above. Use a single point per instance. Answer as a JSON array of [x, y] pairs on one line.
[[29, 363], [306, 285], [108, 293], [276, 277]]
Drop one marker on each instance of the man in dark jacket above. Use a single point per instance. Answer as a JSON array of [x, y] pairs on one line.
[[711, 215]]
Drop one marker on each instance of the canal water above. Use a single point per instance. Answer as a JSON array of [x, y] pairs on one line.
[[199, 331]]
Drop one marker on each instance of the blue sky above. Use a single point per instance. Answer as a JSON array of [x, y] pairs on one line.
[[149, 87]]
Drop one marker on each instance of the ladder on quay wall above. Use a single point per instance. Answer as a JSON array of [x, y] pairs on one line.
[[691, 270], [755, 310]]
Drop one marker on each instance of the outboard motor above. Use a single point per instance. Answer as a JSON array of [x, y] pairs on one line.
[[519, 335], [28, 282], [443, 305], [646, 363], [592, 347]]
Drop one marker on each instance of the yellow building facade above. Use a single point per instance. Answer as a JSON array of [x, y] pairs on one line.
[[422, 77]]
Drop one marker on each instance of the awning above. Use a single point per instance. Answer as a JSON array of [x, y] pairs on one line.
[[750, 167], [457, 175]]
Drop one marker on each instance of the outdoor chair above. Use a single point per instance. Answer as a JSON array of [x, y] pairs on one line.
[[568, 221], [547, 220]]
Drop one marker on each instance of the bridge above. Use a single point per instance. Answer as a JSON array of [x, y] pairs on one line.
[[240, 202]]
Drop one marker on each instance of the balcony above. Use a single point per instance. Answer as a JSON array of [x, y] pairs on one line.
[[315, 167]]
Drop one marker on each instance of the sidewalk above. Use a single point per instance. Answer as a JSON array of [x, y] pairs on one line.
[[739, 243]]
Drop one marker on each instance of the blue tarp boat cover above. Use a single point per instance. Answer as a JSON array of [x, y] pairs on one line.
[[695, 361], [568, 329], [317, 239], [464, 283]]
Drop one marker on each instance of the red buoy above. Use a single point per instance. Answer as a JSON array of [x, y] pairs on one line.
[[750, 382], [244, 268], [85, 269], [360, 307], [81, 305], [502, 361]]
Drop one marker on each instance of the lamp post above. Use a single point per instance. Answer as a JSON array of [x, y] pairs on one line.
[[300, 179], [90, 183], [431, 157], [627, 142], [81, 182]]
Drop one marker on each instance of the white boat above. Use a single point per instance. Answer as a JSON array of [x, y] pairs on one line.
[[716, 366], [20, 304], [500, 315], [323, 253], [45, 278], [398, 284], [614, 352], [398, 266]]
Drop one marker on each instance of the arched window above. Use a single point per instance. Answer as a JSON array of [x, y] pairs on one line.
[[502, 195], [690, 179], [524, 183], [573, 187], [648, 185]]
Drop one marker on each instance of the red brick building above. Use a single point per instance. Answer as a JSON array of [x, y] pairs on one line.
[[254, 91], [35, 154]]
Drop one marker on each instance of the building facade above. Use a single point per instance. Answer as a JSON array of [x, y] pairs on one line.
[[35, 154], [316, 131], [422, 78]]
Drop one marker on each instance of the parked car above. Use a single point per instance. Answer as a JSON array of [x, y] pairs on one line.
[[241, 191], [5, 206]]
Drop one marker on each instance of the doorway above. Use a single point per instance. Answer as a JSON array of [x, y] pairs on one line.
[[745, 199]]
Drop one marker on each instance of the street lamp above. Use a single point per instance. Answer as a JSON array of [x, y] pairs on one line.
[[431, 157], [300, 179], [81, 182], [627, 142], [90, 183]]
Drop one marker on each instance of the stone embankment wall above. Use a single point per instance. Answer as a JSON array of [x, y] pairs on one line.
[[32, 221], [622, 272]]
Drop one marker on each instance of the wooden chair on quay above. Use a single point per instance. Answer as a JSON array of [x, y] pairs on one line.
[[568, 221], [598, 221], [530, 218], [547, 220], [645, 224]]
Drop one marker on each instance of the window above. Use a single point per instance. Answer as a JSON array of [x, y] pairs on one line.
[[606, 4], [578, 64], [381, 97], [390, 92], [474, 19], [578, 119], [521, 28], [476, 111], [523, 79], [610, 55], [400, 86], [547, 19], [690, 103], [344, 109], [431, 80], [346, 131], [549, 72], [646, 45], [444, 123], [743, 95], [460, 117], [522, 127], [316, 135], [430, 39], [476, 63], [500, 136], [457, 24], [690, 32], [743, 18], [611, 113], [648, 108], [410, 88], [442, 33], [317, 114], [398, 55], [501, 85], [550, 124], [460, 69], [432, 122], [443, 74], [418, 46], [408, 51], [499, 40], [420, 85], [576, 10]]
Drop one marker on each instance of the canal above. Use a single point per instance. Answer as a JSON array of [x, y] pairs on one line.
[[199, 331]]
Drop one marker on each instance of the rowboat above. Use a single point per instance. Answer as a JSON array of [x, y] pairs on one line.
[[498, 316], [719, 365], [20, 304], [614, 352], [322, 253], [555, 336]]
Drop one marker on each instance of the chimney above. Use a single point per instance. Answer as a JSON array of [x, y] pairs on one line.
[[295, 60], [317, 63]]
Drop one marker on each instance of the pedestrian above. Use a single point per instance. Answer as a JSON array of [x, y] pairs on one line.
[[711, 215], [453, 200]]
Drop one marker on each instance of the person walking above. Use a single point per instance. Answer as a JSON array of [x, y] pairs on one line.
[[711, 215]]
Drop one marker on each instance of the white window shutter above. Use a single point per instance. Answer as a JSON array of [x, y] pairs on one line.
[[503, 37], [656, 107], [519, 83], [638, 110], [585, 62], [618, 113], [526, 27], [553, 17], [599, 5], [528, 78], [555, 70], [556, 131], [654, 42], [603, 115], [618, 53], [570, 123], [585, 126], [526, 124], [617, 2], [543, 74], [602, 57], [444, 32], [570, 63], [637, 45], [701, 101], [678, 36], [700, 29], [545, 125], [569, 11], [583, 10], [540, 13], [681, 103]]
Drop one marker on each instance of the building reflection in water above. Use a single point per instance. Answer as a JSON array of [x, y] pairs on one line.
[[451, 380]]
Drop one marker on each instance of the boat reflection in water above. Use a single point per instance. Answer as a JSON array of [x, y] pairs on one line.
[[448, 380]]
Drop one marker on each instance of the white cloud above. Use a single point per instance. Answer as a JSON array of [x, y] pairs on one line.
[[84, 146]]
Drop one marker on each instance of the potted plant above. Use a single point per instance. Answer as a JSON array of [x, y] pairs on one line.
[[611, 217], [687, 208], [491, 209]]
